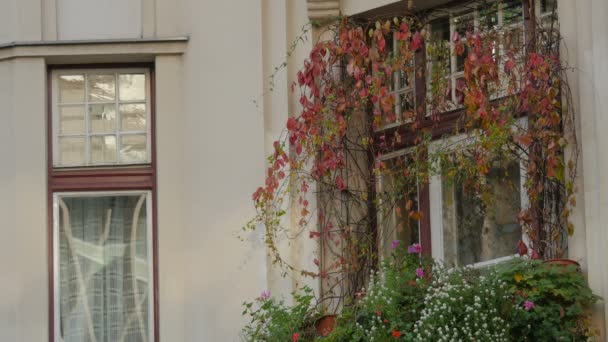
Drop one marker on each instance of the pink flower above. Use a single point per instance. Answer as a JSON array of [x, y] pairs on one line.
[[419, 272], [340, 183], [415, 248], [416, 41], [534, 255], [522, 249], [395, 244], [295, 337], [528, 305], [265, 295]]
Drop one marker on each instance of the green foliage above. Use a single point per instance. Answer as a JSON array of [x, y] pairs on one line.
[[272, 320], [413, 299], [560, 297], [392, 303]]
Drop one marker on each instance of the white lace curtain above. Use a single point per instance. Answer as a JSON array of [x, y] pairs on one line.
[[103, 268]]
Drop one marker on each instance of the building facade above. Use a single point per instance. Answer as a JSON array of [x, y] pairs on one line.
[[135, 131]]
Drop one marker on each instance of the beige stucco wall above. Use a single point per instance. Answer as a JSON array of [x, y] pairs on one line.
[[171, 187], [92, 19], [23, 200], [223, 145], [7, 205], [211, 148], [584, 26], [352, 7]]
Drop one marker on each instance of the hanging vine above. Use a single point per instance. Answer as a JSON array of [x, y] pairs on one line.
[[511, 105]]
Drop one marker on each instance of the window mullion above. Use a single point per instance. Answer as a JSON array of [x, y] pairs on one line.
[[453, 61], [87, 136], [397, 85], [118, 118]]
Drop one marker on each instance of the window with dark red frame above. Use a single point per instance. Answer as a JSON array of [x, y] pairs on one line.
[[517, 17], [102, 203]]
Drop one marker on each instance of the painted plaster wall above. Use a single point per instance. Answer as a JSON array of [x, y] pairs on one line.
[[223, 148], [584, 26], [211, 148], [8, 310], [23, 264], [7, 21], [351, 7], [93, 19]]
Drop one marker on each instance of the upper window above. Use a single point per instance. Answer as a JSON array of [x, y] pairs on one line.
[[503, 20], [101, 117]]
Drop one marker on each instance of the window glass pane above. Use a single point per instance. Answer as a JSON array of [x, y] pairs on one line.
[[100, 110], [440, 29], [459, 91], [405, 106], [102, 88], [464, 23], [71, 119], [133, 148], [488, 18], [72, 151], [460, 59], [547, 6], [71, 88], [475, 230], [103, 149], [133, 117], [405, 80], [398, 196], [132, 87], [103, 118], [103, 268], [512, 12], [514, 40]]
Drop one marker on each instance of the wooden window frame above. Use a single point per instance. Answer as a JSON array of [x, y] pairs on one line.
[[398, 137], [92, 179], [379, 179], [436, 188], [118, 133]]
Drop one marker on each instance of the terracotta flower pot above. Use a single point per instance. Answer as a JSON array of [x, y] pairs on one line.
[[325, 325], [563, 262]]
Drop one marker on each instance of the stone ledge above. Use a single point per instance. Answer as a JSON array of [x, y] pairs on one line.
[[83, 48], [322, 9]]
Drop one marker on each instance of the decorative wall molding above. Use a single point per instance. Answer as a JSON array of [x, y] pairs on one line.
[[137, 49], [322, 9]]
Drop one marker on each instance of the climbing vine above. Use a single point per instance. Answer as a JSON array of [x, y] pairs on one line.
[[331, 171]]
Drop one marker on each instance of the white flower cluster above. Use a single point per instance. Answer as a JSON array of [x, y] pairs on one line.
[[461, 307], [377, 295]]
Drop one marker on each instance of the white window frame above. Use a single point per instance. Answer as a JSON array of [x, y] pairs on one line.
[[396, 91], [380, 187], [56, 261], [456, 13], [55, 74], [436, 198]]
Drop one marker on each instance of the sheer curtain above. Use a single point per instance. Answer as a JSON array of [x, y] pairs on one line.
[[475, 230], [103, 268]]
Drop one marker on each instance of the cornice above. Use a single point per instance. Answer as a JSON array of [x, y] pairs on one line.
[[91, 48], [323, 9]]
